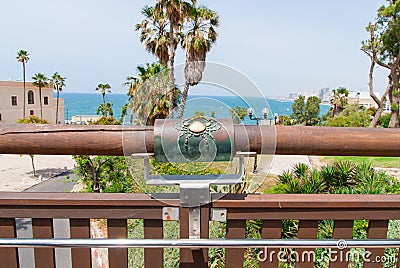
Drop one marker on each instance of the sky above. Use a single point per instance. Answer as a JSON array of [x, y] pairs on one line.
[[282, 46]]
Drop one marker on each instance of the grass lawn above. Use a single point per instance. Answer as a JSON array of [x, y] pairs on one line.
[[385, 162]]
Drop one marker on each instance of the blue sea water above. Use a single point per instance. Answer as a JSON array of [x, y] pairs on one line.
[[87, 103]]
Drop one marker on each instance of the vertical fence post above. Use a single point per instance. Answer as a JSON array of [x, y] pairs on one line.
[[235, 229], [307, 230], [8, 256], [44, 257], [376, 230], [341, 230], [153, 257], [272, 229], [117, 257], [81, 257], [194, 257]]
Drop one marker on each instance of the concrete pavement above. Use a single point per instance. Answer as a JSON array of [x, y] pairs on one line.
[[62, 183]]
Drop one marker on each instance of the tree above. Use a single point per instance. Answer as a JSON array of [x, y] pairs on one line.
[[23, 57], [32, 120], [160, 34], [298, 110], [57, 82], [339, 100], [105, 109], [147, 96], [312, 111], [238, 114], [198, 36], [383, 49], [103, 89], [351, 116], [176, 11], [40, 81], [104, 173], [154, 33]]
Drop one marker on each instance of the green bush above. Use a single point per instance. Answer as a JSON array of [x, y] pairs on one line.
[[351, 116], [341, 177], [111, 171], [192, 168]]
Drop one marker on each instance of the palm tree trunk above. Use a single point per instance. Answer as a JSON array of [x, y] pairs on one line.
[[40, 101], [103, 95], [24, 75], [58, 95], [183, 101], [170, 93], [33, 164]]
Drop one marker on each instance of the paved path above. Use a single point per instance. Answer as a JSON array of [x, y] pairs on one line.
[[62, 183], [285, 162]]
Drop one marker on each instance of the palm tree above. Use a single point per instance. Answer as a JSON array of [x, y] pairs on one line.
[[339, 100], [23, 57], [147, 98], [105, 109], [154, 33], [197, 41], [40, 81], [176, 11], [57, 82], [160, 34], [104, 88]]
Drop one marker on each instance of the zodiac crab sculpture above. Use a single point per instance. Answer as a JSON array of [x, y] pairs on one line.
[[197, 126]]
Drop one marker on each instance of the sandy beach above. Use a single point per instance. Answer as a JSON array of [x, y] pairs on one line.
[[16, 171]]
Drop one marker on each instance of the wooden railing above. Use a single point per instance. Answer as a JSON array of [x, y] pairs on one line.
[[117, 209], [79, 208]]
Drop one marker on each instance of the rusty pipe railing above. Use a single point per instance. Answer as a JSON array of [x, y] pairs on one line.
[[125, 140]]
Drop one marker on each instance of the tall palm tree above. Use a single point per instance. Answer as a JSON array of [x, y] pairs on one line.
[[104, 88], [176, 11], [160, 34], [23, 57], [197, 41], [40, 81], [154, 33], [57, 82]]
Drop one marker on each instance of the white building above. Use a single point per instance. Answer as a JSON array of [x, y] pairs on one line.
[[362, 98], [12, 102], [84, 119]]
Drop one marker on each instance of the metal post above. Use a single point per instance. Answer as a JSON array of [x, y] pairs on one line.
[[255, 165]]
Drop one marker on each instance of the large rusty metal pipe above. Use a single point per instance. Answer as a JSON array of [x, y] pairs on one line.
[[120, 140]]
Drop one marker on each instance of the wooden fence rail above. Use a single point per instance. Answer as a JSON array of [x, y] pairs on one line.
[[79, 208]]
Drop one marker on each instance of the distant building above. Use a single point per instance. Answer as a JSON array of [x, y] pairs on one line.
[[325, 95], [12, 102], [293, 96], [84, 119], [362, 98]]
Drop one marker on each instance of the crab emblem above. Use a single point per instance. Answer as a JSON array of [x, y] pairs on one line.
[[198, 126]]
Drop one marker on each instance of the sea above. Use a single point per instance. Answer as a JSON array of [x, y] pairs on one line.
[[87, 103]]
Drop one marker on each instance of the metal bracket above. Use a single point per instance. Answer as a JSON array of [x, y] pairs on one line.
[[194, 190], [218, 214], [170, 213]]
